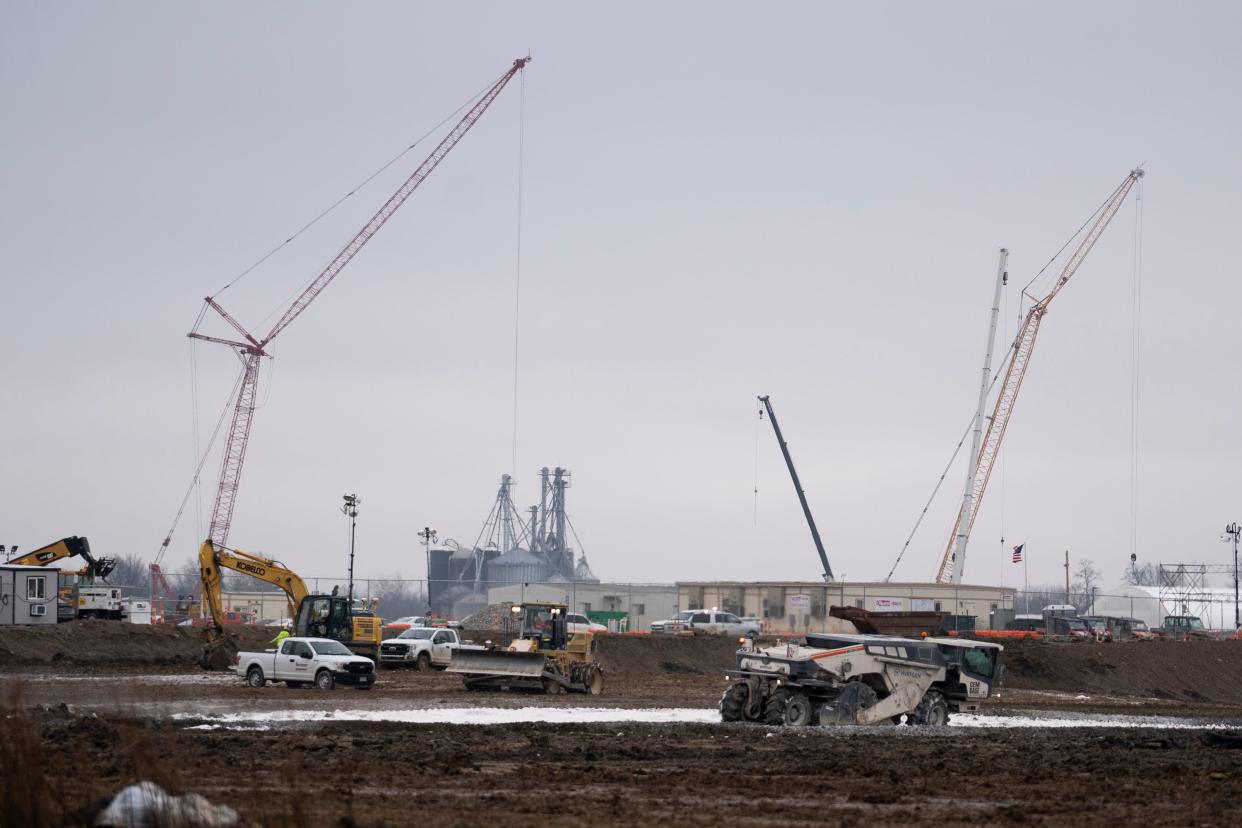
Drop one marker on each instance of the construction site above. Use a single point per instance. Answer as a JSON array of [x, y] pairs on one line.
[[700, 613]]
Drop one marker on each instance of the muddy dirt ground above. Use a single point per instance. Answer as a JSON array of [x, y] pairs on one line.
[[86, 707]]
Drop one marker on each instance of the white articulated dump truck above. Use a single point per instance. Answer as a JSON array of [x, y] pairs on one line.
[[860, 679]]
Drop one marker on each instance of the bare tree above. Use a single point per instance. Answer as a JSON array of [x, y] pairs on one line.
[[131, 571], [1142, 575], [1086, 576]]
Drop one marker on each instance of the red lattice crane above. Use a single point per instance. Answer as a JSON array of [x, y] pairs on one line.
[[953, 563], [252, 349]]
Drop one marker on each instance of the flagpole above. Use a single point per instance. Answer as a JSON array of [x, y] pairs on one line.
[[1026, 584]]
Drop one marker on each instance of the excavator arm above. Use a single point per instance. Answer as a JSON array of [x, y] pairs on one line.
[[213, 559], [68, 548]]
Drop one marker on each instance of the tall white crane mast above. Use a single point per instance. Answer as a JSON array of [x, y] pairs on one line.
[[968, 496], [951, 567]]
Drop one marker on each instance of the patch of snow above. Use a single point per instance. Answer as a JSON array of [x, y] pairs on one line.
[[1133, 722], [474, 715]]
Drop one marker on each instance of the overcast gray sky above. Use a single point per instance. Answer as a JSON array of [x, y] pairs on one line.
[[721, 200]]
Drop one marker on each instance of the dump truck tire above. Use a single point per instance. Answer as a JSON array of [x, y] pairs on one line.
[[733, 702], [799, 712], [774, 707], [933, 710]]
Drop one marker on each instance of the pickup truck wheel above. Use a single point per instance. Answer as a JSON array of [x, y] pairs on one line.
[[254, 677], [424, 661], [324, 680]]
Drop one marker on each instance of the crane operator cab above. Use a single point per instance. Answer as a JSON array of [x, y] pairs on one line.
[[332, 616]]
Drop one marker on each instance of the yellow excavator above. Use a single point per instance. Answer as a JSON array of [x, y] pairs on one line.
[[68, 548], [318, 616]]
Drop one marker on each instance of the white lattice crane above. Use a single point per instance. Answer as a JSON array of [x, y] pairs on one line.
[[953, 564]]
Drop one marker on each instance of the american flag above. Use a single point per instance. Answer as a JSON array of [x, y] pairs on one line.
[[1017, 552]]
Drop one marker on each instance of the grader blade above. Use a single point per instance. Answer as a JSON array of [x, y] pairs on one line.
[[493, 663]]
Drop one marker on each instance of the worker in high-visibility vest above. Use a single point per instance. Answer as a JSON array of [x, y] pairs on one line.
[[281, 636]]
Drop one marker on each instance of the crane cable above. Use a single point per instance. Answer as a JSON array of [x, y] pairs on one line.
[[1136, 323], [517, 265], [970, 425], [352, 191], [202, 459]]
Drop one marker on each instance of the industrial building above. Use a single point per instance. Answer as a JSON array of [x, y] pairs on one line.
[[802, 606], [27, 594], [620, 607]]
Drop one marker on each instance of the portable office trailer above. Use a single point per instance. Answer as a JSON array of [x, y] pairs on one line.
[[27, 594]]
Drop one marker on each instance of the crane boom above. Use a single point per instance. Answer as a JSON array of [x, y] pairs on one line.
[[951, 565], [252, 350], [968, 496], [398, 198], [793, 473]]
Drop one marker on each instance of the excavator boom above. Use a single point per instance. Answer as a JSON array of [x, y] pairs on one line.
[[212, 559], [68, 548]]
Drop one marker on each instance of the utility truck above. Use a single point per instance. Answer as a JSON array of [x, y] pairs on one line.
[[423, 648], [859, 679], [300, 661]]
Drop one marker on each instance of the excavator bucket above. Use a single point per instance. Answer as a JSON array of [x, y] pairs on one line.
[[497, 663]]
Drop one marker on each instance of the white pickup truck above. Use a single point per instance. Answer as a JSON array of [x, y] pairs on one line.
[[423, 648], [300, 661]]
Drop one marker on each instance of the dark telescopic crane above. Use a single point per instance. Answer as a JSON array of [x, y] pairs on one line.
[[793, 473]]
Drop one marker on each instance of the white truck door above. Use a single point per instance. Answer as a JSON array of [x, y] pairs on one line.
[[301, 661], [442, 646]]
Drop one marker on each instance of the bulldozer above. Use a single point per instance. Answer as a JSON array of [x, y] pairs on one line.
[[541, 656], [860, 679]]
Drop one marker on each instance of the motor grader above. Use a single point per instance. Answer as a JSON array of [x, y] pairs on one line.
[[859, 679], [542, 655]]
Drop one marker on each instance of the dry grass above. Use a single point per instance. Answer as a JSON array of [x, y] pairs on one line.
[[26, 794]]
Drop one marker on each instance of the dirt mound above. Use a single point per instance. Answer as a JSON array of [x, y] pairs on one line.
[[1199, 671], [489, 619], [113, 643], [655, 654]]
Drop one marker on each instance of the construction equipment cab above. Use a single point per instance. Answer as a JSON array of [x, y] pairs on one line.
[[316, 616], [543, 654]]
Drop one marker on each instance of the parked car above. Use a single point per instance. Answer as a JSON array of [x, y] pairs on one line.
[[673, 624], [575, 623], [713, 622], [423, 648], [1067, 627], [300, 661], [1099, 627], [1139, 629], [1182, 626]]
